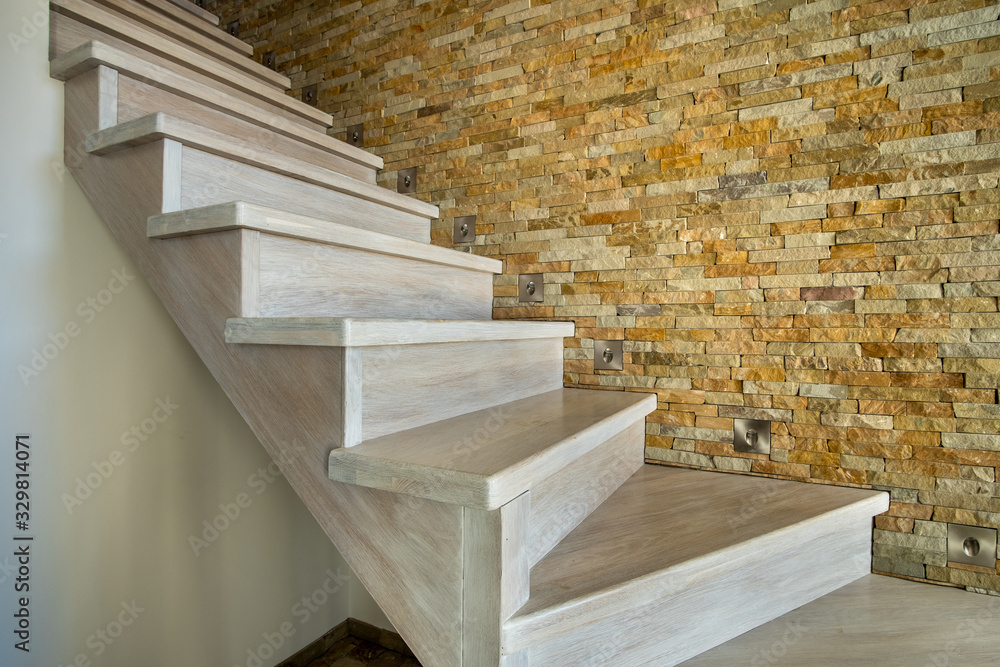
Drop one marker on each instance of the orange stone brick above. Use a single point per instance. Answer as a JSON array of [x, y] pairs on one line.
[[896, 524]]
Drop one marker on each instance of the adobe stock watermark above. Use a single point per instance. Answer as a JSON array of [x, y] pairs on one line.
[[212, 528], [104, 637], [302, 611], [483, 434], [131, 440], [30, 27], [794, 632], [754, 505], [87, 310], [966, 630]]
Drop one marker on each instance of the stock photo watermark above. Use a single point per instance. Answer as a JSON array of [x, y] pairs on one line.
[[22, 542], [302, 611], [131, 440], [104, 637], [965, 631], [794, 632], [31, 26], [87, 310], [211, 529]]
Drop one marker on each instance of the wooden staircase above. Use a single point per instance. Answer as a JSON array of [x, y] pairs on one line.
[[497, 517]]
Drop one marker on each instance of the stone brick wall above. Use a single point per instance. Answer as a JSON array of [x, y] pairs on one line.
[[787, 210]]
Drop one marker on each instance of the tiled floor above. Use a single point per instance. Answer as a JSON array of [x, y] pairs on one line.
[[354, 652]]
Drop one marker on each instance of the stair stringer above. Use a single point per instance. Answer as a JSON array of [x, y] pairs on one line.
[[407, 551]]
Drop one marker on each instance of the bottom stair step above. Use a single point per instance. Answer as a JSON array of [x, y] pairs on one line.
[[677, 561], [876, 620]]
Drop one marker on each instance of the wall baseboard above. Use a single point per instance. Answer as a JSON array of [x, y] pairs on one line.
[[349, 628]]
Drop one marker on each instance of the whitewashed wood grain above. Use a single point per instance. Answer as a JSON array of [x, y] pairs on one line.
[[486, 458], [107, 93], [172, 175], [188, 7], [158, 126], [70, 57], [67, 35], [668, 528], [250, 272], [413, 385], [249, 78], [138, 99], [210, 179], [563, 500], [233, 215], [495, 579], [713, 609], [369, 332], [875, 620], [306, 279], [352, 383], [231, 52], [407, 552]]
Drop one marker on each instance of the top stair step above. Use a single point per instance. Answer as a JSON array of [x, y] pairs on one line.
[[149, 32], [487, 458], [94, 54], [197, 34], [187, 6]]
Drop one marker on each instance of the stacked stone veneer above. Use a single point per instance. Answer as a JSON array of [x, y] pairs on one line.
[[787, 210]]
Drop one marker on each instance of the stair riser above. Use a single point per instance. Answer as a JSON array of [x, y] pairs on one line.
[[65, 34], [411, 385], [137, 99], [208, 179], [302, 279], [688, 622], [561, 502]]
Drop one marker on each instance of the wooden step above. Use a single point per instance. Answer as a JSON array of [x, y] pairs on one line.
[[653, 575], [369, 332], [401, 374], [320, 268], [187, 6], [153, 33], [157, 126], [487, 458], [74, 23], [212, 42], [96, 54], [876, 620]]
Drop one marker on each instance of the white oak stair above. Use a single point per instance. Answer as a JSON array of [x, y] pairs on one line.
[[497, 517], [410, 279]]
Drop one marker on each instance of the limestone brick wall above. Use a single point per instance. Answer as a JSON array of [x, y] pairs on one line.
[[787, 210]]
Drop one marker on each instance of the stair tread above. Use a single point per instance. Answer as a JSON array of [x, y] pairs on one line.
[[876, 620], [368, 332], [487, 458], [666, 528], [156, 126], [243, 215], [95, 53], [212, 41], [192, 8], [135, 35]]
